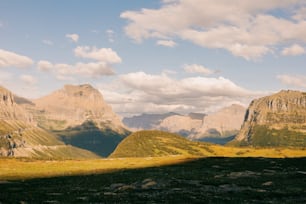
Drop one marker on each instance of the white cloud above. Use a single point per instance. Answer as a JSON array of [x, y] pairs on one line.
[[44, 65], [11, 59], [138, 92], [195, 68], [68, 72], [291, 80], [74, 37], [28, 79], [293, 50], [106, 55], [48, 42], [4, 76], [166, 43], [248, 29]]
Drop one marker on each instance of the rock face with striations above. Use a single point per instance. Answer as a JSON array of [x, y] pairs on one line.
[[276, 120]]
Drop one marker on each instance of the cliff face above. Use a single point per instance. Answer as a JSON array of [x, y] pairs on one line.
[[276, 120], [9, 110]]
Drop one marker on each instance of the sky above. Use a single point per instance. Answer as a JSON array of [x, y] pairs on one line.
[[155, 56]]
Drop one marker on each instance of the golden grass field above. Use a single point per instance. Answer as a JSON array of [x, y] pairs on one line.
[[24, 168]]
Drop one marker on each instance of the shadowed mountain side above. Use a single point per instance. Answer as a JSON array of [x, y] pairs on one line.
[[88, 136]]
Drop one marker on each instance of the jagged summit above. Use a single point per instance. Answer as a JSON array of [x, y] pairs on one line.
[[275, 120]]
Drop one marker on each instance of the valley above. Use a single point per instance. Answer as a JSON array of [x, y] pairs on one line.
[[69, 146]]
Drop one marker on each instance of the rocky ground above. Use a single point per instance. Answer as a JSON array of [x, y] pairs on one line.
[[210, 180]]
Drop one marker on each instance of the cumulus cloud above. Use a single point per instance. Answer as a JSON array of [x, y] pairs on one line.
[[291, 80], [195, 68], [248, 29], [138, 92], [11, 59], [293, 50], [166, 43], [4, 76], [44, 65], [106, 55], [74, 37], [67, 71], [28, 79]]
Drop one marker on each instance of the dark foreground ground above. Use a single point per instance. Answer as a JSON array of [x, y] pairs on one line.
[[211, 180]]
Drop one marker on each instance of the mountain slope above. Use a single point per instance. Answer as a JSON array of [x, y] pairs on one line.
[[20, 137], [276, 120], [79, 115]]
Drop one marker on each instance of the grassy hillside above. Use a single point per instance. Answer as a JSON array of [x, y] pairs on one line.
[[158, 143]]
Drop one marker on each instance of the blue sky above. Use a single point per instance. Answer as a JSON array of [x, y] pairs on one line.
[[155, 56]]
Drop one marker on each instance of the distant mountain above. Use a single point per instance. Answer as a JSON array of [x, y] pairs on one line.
[[276, 120], [183, 125], [146, 121], [79, 115], [20, 137], [223, 123]]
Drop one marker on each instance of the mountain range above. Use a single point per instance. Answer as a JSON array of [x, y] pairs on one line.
[[76, 122], [223, 123]]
